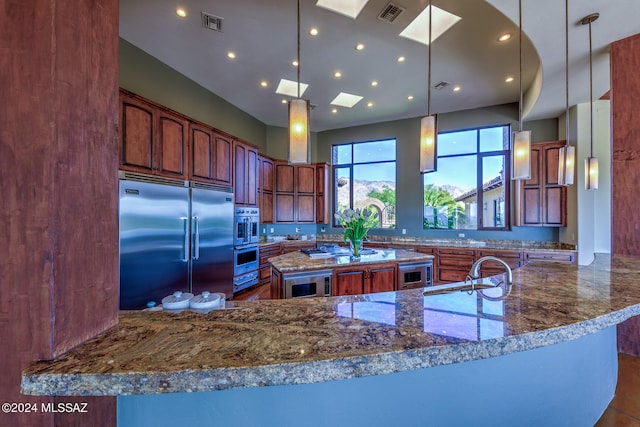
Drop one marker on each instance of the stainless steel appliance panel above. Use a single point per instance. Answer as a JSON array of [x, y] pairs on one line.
[[307, 284], [247, 223], [246, 259], [154, 242], [211, 240], [414, 275]]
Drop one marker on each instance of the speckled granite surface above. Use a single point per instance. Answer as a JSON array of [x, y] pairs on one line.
[[321, 339], [297, 261]]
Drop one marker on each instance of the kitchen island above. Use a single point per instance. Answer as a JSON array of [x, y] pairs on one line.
[[544, 355]]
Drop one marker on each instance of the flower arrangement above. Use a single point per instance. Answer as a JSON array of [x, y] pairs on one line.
[[356, 224]]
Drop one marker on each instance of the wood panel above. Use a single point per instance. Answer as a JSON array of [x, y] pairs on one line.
[[240, 172], [266, 175], [381, 279], [252, 177], [59, 157], [625, 168], [348, 282], [172, 145], [284, 208], [284, 178], [202, 153], [305, 208], [223, 172], [305, 179], [136, 135]]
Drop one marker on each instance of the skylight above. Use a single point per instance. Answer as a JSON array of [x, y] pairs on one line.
[[346, 100], [350, 8], [288, 87], [418, 29]]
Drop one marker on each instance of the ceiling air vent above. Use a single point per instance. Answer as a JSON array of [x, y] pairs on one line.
[[441, 85], [211, 22], [390, 12]]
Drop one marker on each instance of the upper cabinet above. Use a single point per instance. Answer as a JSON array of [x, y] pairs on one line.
[[210, 155], [541, 201], [322, 193], [152, 140], [295, 193], [265, 189], [245, 163]]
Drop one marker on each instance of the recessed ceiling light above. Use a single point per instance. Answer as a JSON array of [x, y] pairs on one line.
[[284, 101], [346, 100], [456, 88], [181, 12], [508, 79], [350, 8], [359, 46], [295, 63], [290, 88], [401, 59], [337, 74], [369, 104], [410, 97], [374, 83], [334, 110], [313, 31], [264, 83], [504, 37], [231, 55], [418, 29]]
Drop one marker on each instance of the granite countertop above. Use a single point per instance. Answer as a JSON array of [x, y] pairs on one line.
[[298, 261], [275, 342]]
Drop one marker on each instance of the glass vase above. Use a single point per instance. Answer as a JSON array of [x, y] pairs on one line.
[[355, 246]]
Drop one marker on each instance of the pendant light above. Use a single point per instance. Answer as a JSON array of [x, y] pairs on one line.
[[299, 119], [567, 155], [521, 144], [591, 163], [428, 124]]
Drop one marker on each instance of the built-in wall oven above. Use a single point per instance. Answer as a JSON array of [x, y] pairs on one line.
[[246, 253], [247, 222], [307, 284], [413, 275]]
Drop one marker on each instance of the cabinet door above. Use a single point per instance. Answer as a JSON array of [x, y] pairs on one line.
[[251, 197], [202, 154], [348, 282], [284, 178], [305, 179], [239, 172], [172, 145], [554, 202], [222, 171], [305, 208], [136, 135], [284, 208], [322, 194], [266, 174], [381, 279], [266, 207]]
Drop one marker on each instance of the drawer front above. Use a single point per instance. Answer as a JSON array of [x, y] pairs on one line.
[[446, 275], [561, 257], [465, 253], [426, 250], [459, 263], [265, 272], [500, 254]]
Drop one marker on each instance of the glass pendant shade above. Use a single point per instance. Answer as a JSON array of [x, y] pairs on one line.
[[521, 155], [591, 173], [299, 131], [566, 165], [428, 143]]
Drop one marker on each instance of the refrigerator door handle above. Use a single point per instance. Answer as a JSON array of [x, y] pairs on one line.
[[185, 245], [196, 239]]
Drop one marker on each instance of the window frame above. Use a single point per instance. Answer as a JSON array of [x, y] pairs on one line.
[[335, 166], [480, 155]]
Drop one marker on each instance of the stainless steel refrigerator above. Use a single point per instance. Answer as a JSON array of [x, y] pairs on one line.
[[174, 236]]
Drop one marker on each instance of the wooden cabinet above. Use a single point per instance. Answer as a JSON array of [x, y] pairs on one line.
[[454, 264], [245, 163], [541, 201], [295, 193], [266, 252], [365, 279], [296, 245], [265, 189], [514, 259], [152, 140], [322, 193], [210, 155]]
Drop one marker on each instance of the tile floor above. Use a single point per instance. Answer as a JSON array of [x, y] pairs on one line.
[[624, 409]]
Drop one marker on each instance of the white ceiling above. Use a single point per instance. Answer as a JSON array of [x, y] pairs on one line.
[[263, 36]]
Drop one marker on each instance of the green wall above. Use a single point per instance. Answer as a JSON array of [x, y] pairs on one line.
[[144, 75]]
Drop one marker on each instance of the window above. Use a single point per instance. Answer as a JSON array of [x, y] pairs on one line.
[[470, 189], [364, 176]]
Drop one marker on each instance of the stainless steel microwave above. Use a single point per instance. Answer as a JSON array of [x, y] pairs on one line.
[[307, 284]]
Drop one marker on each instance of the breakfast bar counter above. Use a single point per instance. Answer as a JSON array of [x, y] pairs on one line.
[[556, 326]]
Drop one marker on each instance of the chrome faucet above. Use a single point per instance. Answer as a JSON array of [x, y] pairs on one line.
[[475, 268]]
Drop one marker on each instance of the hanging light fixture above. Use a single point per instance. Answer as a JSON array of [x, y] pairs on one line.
[[299, 119], [521, 144], [567, 155], [428, 125], [591, 163]]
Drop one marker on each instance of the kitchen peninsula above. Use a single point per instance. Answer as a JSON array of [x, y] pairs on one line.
[[544, 355]]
